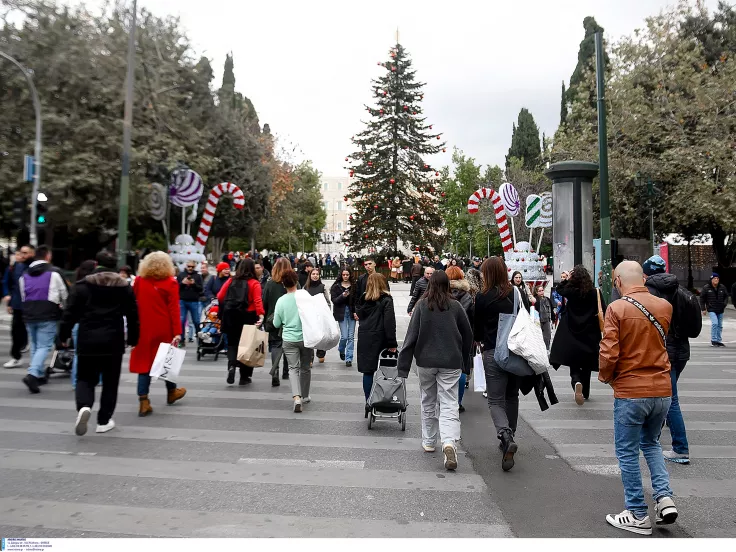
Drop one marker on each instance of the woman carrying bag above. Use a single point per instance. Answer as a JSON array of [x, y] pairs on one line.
[[441, 340], [343, 309], [578, 337], [240, 305], [547, 314], [316, 287], [273, 290]]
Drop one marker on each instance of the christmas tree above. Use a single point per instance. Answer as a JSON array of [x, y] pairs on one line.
[[395, 191]]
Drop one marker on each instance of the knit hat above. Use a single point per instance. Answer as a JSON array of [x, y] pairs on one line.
[[654, 265], [222, 266], [714, 275]]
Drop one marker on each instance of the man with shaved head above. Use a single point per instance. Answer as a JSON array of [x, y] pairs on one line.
[[634, 361]]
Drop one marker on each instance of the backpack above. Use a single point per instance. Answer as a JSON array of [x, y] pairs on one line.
[[687, 318], [236, 298]]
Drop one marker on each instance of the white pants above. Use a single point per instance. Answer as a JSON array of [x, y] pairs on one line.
[[439, 386]]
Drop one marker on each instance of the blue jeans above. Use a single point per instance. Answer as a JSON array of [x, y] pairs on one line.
[[674, 415], [637, 424], [367, 385], [347, 336], [41, 336], [191, 307], [716, 326], [461, 389], [144, 384], [75, 362]]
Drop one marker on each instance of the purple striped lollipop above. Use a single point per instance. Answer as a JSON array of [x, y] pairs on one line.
[[510, 199], [186, 188]]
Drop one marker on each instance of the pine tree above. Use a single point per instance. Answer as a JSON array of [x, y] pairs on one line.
[[563, 105], [395, 191], [525, 141], [586, 57]]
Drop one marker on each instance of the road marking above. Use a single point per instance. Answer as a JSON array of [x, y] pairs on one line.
[[164, 522], [548, 423], [530, 404], [607, 451], [38, 451], [599, 469], [265, 462]]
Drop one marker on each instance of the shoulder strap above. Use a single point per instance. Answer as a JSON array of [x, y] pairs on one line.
[[648, 314]]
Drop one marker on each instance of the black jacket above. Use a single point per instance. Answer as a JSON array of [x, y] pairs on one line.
[[485, 318], [376, 332], [360, 286], [539, 383], [191, 293], [213, 287], [714, 300], [339, 302], [665, 286], [98, 304], [419, 288]]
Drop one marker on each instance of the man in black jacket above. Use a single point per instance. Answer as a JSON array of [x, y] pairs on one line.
[[713, 301], [420, 288], [665, 286], [99, 304], [190, 290], [370, 267]]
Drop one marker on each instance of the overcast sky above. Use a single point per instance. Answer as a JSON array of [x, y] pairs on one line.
[[307, 64]]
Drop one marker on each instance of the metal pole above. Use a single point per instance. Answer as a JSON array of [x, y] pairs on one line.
[[37, 148], [603, 169], [127, 130], [650, 191]]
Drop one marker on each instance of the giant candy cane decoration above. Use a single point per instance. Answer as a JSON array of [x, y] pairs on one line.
[[209, 209], [501, 220]]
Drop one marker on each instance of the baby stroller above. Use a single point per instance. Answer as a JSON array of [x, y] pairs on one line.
[[387, 400], [209, 332], [61, 362]]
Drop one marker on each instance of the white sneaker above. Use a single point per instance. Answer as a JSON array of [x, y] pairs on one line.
[[675, 457], [428, 448], [12, 363], [107, 427], [666, 511], [626, 521], [450, 453], [80, 428], [297, 404], [306, 400]]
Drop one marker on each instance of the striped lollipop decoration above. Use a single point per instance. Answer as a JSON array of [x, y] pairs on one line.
[[209, 210], [510, 198], [533, 210], [186, 188], [489, 194], [158, 201], [545, 217]]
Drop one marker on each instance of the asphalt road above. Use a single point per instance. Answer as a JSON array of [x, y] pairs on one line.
[[235, 461]]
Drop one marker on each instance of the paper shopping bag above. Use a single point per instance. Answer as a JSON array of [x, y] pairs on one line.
[[479, 373], [167, 363], [252, 346]]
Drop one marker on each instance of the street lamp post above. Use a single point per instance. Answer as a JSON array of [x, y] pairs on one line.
[[470, 241], [606, 265], [37, 148], [291, 221]]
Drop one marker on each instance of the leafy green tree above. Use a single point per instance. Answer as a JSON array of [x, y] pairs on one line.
[[395, 192], [525, 141]]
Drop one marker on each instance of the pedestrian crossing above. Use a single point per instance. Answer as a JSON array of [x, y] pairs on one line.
[[230, 461]]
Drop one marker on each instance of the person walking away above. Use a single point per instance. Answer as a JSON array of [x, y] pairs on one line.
[[416, 274], [11, 290], [343, 309], [666, 286], [502, 388], [242, 304], [420, 288], [43, 292], [526, 296], [272, 292], [156, 291], [85, 269], [713, 300], [546, 311], [299, 357], [633, 360], [377, 329], [395, 270], [406, 265], [316, 287], [126, 273], [190, 289], [440, 339], [578, 333], [362, 283], [214, 284], [460, 291], [102, 304]]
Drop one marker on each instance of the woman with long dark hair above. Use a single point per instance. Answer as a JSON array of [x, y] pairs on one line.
[[497, 297], [315, 286], [441, 339], [241, 290], [272, 291], [343, 309], [578, 337], [517, 280]]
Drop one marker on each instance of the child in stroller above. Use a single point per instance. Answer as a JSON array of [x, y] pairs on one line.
[[209, 331]]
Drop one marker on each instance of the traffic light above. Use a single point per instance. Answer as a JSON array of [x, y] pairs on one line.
[[19, 212], [41, 213]]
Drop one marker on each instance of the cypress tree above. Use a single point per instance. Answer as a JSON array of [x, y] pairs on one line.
[[563, 105], [525, 141]]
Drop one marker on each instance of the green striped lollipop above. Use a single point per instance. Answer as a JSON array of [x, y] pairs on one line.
[[533, 210]]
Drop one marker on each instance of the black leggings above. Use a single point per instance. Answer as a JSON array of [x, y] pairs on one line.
[[233, 338]]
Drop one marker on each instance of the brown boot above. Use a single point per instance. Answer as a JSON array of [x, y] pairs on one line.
[[175, 395], [145, 406]]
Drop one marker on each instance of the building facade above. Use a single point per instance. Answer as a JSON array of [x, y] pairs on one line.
[[334, 189]]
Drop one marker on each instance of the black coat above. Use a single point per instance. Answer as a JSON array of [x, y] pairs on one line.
[[714, 300], [578, 337], [539, 383], [376, 332], [339, 302], [190, 293], [419, 288], [665, 286], [98, 303]]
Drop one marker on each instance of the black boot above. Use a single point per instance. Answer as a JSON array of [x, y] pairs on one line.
[[231, 374], [244, 377], [508, 448]]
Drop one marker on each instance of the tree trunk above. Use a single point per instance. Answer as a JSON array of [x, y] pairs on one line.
[[689, 264]]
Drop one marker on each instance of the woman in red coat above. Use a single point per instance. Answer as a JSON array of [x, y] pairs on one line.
[[244, 281], [157, 293]]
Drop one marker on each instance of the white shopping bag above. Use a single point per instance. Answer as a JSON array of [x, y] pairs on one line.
[[526, 340], [319, 328], [479, 373], [167, 364]]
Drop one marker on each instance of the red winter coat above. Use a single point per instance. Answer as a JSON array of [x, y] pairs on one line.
[[158, 312]]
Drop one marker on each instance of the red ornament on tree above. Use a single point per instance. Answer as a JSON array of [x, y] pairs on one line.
[[345, 198], [385, 93], [443, 194], [438, 137], [375, 206], [352, 173], [366, 236], [436, 174], [414, 113], [426, 166], [444, 150], [406, 107], [381, 112], [370, 163], [392, 181], [346, 159], [430, 127], [393, 69], [411, 217]]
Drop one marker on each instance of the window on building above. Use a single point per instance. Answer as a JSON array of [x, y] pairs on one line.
[[339, 185], [339, 206], [327, 186], [327, 205], [339, 225]]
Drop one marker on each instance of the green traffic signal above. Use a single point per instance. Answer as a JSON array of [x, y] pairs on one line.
[[41, 219]]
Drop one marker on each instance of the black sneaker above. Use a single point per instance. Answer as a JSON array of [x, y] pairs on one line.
[[461, 408], [32, 383], [713, 344], [349, 364], [342, 356], [231, 375], [720, 344], [43, 381], [275, 382], [244, 381], [191, 340]]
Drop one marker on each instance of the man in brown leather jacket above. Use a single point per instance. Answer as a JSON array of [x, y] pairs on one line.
[[634, 361]]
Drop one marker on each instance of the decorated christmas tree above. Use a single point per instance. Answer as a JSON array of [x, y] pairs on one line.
[[395, 191]]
